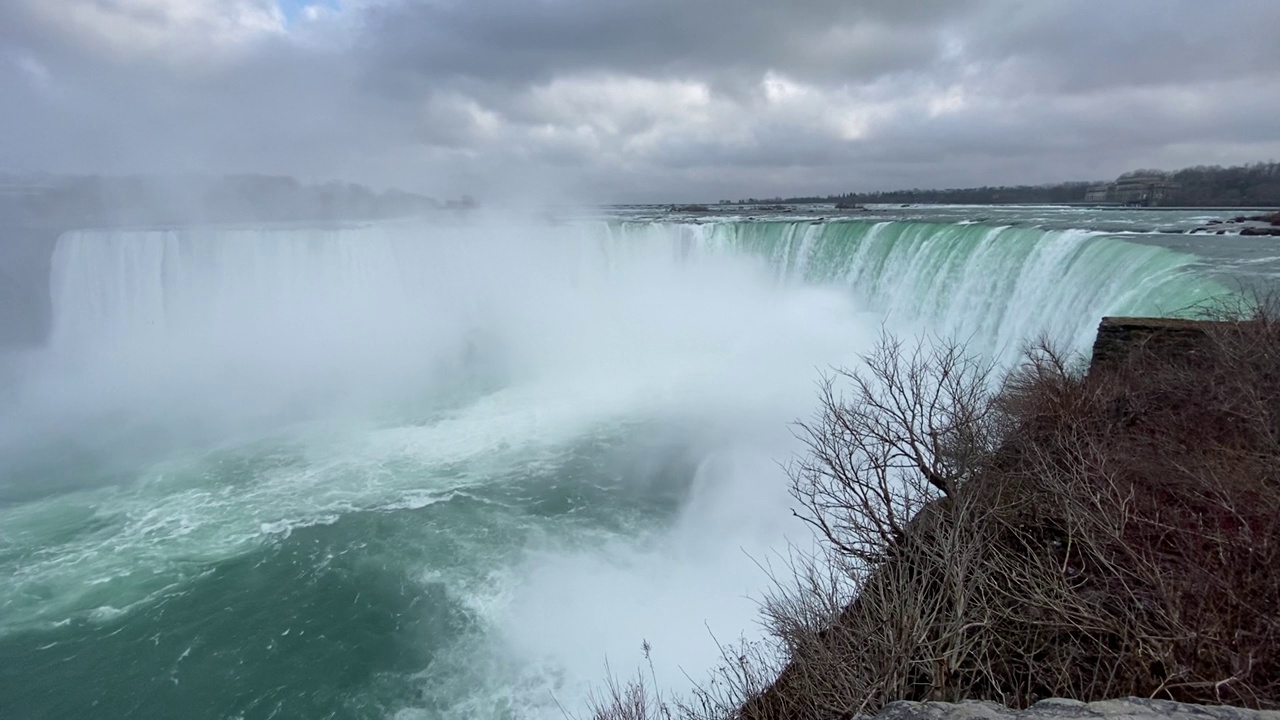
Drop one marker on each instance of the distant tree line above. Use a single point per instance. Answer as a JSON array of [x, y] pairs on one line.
[[1213, 185], [987, 195], [1203, 185], [78, 201]]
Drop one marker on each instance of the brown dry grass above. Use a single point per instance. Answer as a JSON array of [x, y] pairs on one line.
[[1055, 534]]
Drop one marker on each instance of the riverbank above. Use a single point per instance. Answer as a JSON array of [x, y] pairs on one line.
[[1084, 535], [1084, 532]]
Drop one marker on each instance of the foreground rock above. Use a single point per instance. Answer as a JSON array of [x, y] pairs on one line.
[[1056, 709], [1260, 231], [1119, 337]]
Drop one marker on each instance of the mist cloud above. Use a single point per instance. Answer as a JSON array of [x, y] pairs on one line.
[[634, 101]]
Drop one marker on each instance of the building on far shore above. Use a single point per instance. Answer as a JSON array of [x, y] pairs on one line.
[[1144, 190], [1099, 193], [1134, 190]]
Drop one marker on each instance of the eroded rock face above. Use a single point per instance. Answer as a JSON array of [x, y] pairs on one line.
[[1059, 709]]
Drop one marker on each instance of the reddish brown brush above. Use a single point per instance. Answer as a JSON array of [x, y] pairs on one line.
[[1060, 533]]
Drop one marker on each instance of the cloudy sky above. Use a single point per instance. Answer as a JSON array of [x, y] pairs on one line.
[[639, 100]]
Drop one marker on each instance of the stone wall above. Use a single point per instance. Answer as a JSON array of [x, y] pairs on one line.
[[1058, 709], [1119, 337]]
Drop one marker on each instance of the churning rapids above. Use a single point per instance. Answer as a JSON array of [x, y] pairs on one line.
[[402, 470]]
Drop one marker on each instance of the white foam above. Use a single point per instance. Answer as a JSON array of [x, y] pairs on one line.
[[429, 362]]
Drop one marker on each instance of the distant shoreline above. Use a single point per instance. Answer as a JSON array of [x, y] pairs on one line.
[[1201, 186], [891, 206]]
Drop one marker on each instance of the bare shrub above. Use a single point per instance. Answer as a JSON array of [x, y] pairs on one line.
[[1074, 534], [1192, 443], [631, 700], [1058, 532], [746, 670], [916, 427]]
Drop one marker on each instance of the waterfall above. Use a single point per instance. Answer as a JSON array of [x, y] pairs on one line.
[[994, 285], [448, 470]]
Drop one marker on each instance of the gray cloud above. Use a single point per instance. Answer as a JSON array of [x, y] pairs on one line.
[[1070, 47], [517, 42], [630, 100]]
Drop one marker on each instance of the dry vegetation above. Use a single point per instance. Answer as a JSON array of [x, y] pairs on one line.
[[1068, 534]]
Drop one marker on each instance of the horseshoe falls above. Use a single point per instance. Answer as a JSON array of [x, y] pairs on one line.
[[449, 470]]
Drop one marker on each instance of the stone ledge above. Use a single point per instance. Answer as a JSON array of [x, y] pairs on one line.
[[1060, 709], [1119, 337]]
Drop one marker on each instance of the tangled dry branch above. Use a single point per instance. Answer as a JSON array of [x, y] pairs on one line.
[[1051, 533]]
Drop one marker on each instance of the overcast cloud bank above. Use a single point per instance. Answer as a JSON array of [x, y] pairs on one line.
[[620, 100]]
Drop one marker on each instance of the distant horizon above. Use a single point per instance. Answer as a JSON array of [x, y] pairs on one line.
[[13, 180]]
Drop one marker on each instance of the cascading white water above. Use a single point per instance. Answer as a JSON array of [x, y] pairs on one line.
[[243, 287], [993, 285], [561, 440], [259, 310]]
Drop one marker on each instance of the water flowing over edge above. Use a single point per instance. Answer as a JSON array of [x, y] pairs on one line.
[[995, 285], [243, 322], [579, 332]]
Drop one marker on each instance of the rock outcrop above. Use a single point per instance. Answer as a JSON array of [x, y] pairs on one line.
[[1059, 709], [1119, 337], [1255, 225]]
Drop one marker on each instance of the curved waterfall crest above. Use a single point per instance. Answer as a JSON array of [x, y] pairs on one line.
[[1000, 284]]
